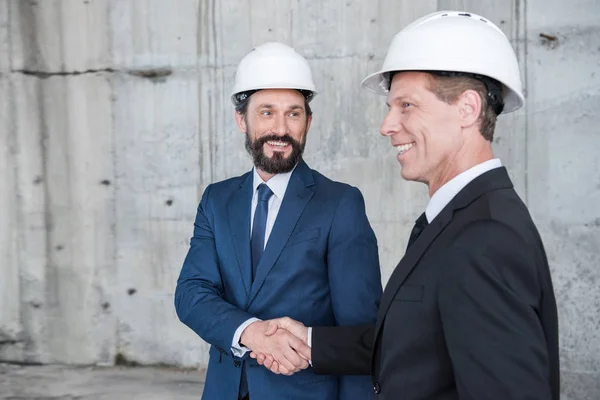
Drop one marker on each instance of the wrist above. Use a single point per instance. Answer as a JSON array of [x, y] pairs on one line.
[[306, 332], [247, 334]]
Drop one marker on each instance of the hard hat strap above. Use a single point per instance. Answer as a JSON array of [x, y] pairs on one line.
[[243, 96], [494, 88]]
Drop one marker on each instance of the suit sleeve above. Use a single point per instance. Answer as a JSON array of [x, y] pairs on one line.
[[488, 299], [354, 278], [343, 350], [199, 298]]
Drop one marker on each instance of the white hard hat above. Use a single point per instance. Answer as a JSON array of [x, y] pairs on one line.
[[453, 41], [273, 65]]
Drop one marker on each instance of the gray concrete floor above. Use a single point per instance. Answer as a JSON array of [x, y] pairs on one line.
[[57, 382]]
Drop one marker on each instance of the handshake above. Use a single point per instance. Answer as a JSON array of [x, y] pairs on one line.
[[280, 345]]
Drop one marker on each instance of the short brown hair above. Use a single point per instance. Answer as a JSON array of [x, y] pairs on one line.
[[449, 88]]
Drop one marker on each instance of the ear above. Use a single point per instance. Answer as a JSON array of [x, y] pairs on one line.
[[470, 105], [308, 121], [241, 122]]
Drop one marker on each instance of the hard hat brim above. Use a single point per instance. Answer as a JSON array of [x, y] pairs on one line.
[[379, 83], [273, 86]]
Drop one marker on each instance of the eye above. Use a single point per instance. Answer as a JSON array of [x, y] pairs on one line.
[[294, 114], [265, 113], [406, 105]]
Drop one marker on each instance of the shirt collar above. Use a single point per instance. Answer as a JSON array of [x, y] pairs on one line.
[[450, 189], [278, 183]]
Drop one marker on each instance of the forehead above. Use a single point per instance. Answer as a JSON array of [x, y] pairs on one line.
[[408, 83], [278, 98]]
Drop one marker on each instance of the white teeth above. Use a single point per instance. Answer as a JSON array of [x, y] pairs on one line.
[[404, 147], [278, 144]]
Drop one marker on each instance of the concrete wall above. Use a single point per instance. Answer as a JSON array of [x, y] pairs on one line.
[[114, 116]]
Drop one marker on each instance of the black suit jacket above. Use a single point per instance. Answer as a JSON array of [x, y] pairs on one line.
[[468, 313]]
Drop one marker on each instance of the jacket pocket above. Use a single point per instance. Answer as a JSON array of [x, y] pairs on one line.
[[304, 236], [410, 293]]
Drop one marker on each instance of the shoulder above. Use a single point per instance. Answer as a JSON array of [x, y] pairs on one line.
[[225, 187], [493, 249], [336, 189], [219, 193], [487, 234]]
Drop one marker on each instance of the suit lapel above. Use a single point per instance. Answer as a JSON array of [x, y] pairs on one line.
[[239, 223], [491, 180], [297, 196], [409, 261]]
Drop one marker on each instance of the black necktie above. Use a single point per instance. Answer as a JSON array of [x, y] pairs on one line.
[[420, 224]]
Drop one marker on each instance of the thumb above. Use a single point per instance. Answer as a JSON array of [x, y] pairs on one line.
[[271, 328], [301, 348], [305, 352]]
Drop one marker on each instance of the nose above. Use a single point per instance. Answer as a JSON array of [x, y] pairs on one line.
[[281, 125], [391, 124]]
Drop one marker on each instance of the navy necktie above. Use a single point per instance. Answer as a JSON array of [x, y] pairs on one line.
[[420, 224], [257, 241], [257, 244]]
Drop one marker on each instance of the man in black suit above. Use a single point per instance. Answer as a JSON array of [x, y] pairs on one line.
[[469, 312]]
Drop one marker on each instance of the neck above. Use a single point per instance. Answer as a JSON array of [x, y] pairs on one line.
[[265, 176], [459, 164]]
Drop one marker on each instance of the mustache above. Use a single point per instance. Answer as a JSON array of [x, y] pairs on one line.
[[277, 163], [285, 138]]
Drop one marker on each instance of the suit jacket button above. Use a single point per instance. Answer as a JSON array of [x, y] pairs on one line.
[[237, 363], [377, 388]]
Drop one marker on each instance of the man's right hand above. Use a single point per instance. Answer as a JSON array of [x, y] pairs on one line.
[[278, 326], [289, 352], [296, 328]]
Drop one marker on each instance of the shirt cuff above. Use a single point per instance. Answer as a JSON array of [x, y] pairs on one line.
[[236, 348], [309, 340]]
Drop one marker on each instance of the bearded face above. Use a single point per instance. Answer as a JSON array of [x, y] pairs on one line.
[[275, 125], [278, 162]]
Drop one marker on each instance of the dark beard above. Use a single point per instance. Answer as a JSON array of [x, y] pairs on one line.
[[277, 164]]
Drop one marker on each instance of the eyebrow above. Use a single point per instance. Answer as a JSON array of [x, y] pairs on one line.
[[291, 108], [402, 97]]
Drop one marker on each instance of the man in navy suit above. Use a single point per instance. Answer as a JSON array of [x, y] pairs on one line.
[[279, 240]]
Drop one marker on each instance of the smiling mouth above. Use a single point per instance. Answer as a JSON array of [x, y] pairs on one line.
[[403, 148], [278, 144]]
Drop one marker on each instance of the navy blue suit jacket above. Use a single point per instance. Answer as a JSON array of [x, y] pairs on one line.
[[320, 267]]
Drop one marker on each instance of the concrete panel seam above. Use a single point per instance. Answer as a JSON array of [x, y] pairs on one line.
[[147, 73]]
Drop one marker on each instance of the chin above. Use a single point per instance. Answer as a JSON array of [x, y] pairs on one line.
[[279, 156], [408, 176]]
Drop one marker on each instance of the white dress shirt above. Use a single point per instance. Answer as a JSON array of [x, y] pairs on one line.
[[446, 193], [278, 185], [450, 189]]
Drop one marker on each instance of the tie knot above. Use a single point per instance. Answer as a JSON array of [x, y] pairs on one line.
[[264, 193], [420, 224], [421, 221]]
